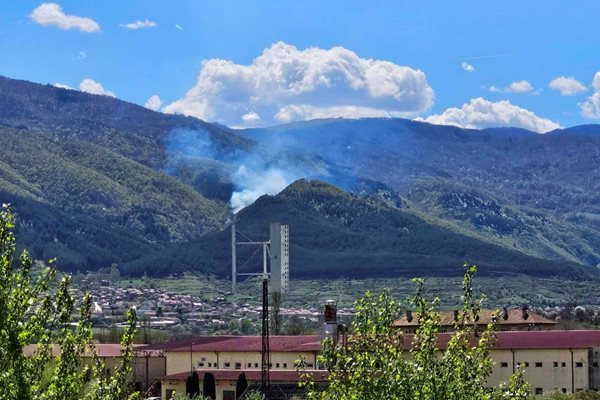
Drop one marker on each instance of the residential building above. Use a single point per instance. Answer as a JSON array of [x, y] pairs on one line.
[[508, 319], [226, 358], [564, 361]]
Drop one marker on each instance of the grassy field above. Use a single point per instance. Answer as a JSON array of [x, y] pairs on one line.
[[515, 290]]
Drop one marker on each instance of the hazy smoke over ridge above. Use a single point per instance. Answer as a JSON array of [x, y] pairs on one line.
[[255, 183], [267, 168]]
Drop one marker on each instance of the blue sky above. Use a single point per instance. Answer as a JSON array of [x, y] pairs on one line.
[[425, 43]]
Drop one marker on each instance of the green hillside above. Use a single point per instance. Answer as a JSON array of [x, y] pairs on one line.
[[335, 233], [90, 206], [97, 180]]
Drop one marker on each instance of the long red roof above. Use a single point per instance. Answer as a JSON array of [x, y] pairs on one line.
[[555, 339], [245, 344]]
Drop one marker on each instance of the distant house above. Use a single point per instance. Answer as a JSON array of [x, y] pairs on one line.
[[508, 319]]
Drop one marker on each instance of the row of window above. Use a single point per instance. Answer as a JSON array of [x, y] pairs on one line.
[[249, 365], [563, 364]]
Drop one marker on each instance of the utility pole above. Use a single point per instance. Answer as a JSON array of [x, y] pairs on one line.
[[266, 359]]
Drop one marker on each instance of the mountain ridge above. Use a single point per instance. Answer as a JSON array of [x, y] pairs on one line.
[[514, 190]]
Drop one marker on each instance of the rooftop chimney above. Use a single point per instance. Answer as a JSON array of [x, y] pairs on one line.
[[330, 311], [505, 313], [330, 324], [524, 312], [409, 316]]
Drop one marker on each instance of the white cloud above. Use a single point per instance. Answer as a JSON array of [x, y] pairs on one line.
[[81, 55], [480, 113], [52, 14], [251, 118], [139, 24], [177, 26], [91, 86], [515, 87], [287, 84], [568, 86], [467, 67], [590, 108], [154, 103], [521, 87]]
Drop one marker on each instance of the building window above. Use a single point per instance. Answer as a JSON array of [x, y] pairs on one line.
[[539, 391], [255, 365], [504, 365], [579, 364], [238, 365], [249, 365], [563, 364], [538, 365], [285, 365], [228, 394], [564, 390], [201, 364], [227, 365], [277, 365], [595, 364], [555, 364], [309, 365]]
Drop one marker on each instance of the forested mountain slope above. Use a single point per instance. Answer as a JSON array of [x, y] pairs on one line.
[[98, 180]]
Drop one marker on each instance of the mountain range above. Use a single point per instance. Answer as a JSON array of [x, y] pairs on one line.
[[95, 180]]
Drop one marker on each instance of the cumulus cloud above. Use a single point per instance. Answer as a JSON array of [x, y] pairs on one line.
[[467, 67], [590, 108], [567, 86], [480, 113], [91, 86], [154, 103], [515, 87], [288, 84], [139, 24], [251, 118], [52, 14]]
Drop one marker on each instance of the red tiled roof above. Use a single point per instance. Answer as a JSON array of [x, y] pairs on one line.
[[245, 344], [554, 339], [530, 340], [580, 339], [251, 375], [102, 350], [515, 317]]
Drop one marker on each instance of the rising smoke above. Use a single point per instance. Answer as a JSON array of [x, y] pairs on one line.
[[267, 168]]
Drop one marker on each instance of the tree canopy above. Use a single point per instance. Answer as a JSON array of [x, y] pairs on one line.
[[378, 361], [34, 312]]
